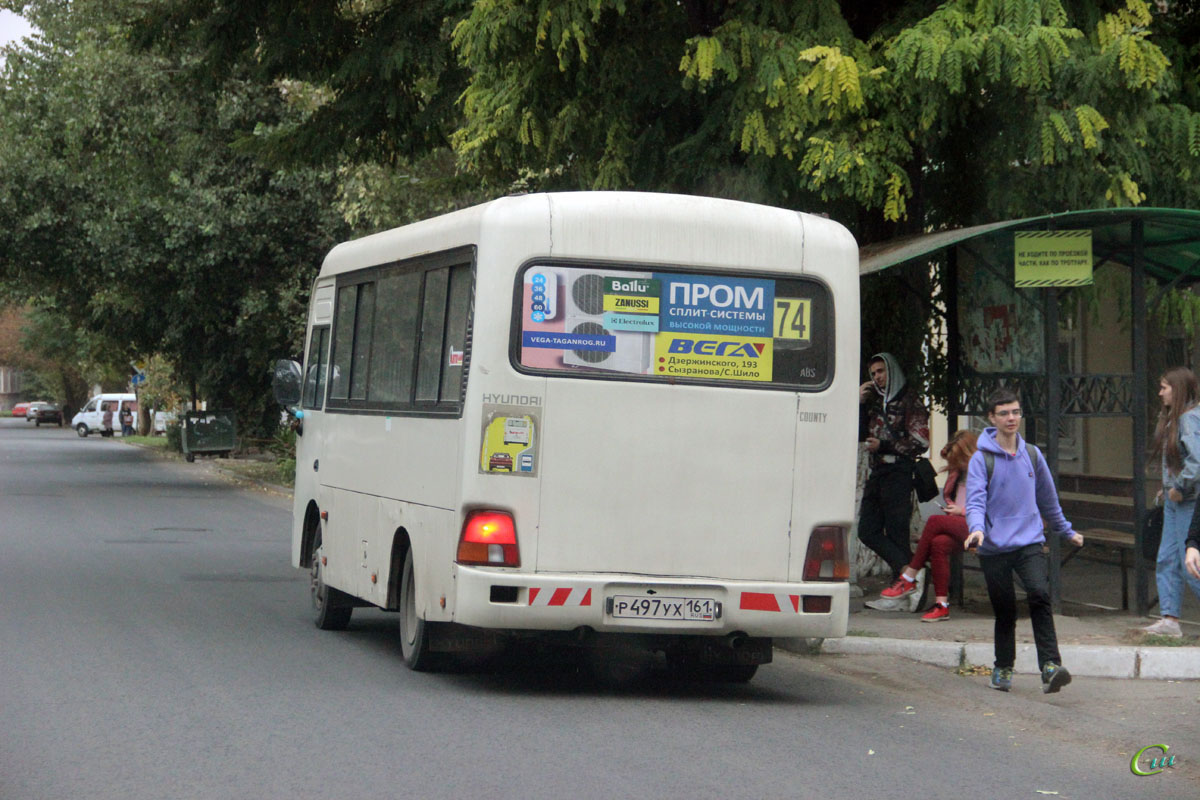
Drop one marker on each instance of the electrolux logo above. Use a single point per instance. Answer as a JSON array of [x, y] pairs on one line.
[[1151, 760]]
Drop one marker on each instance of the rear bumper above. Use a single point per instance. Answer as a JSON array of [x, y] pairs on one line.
[[556, 602]]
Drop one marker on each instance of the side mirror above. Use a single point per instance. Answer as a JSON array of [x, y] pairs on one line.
[[285, 383]]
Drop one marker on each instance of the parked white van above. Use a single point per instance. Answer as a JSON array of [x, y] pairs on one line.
[[91, 417]]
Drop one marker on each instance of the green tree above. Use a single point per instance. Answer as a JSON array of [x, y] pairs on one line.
[[60, 361], [127, 203], [893, 116]]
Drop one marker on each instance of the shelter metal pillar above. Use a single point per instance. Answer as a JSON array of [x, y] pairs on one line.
[[1053, 414], [1138, 302], [953, 346]]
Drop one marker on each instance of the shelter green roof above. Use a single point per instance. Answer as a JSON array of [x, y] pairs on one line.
[[1171, 240]]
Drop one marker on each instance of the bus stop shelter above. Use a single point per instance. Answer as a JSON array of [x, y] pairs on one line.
[[1018, 261]]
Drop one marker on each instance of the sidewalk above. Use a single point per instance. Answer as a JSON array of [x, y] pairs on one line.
[[1093, 642]]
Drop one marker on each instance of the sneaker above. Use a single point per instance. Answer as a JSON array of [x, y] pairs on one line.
[[1054, 677], [1164, 627], [901, 588], [937, 613], [885, 604], [1001, 678]]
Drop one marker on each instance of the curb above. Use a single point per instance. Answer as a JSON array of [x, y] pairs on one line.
[[1091, 661]]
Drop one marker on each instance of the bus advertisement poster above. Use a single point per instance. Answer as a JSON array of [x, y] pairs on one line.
[[725, 358], [720, 305]]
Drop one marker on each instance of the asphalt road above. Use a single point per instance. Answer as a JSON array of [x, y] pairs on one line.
[[155, 643]]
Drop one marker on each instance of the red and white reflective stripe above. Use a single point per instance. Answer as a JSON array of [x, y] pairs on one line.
[[559, 597], [766, 601]]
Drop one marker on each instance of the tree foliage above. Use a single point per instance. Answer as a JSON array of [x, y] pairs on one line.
[[60, 362], [892, 117], [126, 205], [1028, 105]]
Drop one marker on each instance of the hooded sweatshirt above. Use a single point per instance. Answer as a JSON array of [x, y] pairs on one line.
[[1009, 509], [894, 416]]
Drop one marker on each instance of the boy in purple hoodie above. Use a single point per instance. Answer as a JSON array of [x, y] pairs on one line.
[[1009, 491]]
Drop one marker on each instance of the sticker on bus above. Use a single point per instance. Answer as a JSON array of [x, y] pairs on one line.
[[724, 305], [719, 358], [509, 442]]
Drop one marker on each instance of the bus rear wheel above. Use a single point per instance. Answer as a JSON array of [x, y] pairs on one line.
[[331, 607], [414, 631]]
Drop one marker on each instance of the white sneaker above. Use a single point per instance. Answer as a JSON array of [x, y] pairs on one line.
[[1164, 627], [888, 603], [914, 599]]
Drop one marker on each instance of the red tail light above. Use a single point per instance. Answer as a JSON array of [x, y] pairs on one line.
[[489, 539], [826, 559]]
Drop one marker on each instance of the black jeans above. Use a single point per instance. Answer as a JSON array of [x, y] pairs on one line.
[[1029, 564], [883, 517]]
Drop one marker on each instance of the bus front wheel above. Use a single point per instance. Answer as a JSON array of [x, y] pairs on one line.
[[331, 607], [414, 631]]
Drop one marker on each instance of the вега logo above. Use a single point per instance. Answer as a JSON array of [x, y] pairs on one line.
[[1156, 764], [716, 347]]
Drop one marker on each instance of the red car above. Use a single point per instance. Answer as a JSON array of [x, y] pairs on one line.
[[19, 410], [499, 461]]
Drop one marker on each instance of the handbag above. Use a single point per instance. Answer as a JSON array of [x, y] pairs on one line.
[[924, 479], [1152, 529]]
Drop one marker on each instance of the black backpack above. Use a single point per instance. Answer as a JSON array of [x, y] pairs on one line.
[[989, 461]]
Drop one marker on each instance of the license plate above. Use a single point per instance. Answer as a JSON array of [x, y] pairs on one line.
[[697, 609]]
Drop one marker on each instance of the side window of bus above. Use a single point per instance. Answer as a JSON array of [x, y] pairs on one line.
[[314, 376], [347, 298], [433, 328], [400, 341], [364, 317], [395, 338]]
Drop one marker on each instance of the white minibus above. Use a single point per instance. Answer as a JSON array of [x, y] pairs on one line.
[[91, 417], [625, 419]]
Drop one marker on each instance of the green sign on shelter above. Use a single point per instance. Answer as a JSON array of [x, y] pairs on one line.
[[1053, 258]]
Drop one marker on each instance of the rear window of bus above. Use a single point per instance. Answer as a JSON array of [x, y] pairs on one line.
[[676, 326]]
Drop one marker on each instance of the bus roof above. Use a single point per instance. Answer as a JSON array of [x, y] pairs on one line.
[[637, 221]]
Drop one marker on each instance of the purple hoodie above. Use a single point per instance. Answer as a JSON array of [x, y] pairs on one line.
[[1009, 510]]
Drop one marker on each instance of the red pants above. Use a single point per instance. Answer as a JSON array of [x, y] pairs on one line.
[[943, 535]]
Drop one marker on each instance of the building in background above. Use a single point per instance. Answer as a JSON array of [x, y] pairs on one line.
[[11, 386]]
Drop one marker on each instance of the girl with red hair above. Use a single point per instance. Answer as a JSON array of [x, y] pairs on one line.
[[943, 535]]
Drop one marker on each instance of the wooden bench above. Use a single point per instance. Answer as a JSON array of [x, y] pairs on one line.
[[1120, 541]]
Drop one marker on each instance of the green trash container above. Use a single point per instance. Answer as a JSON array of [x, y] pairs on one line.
[[213, 432]]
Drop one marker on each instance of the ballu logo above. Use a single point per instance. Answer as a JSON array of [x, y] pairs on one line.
[[1156, 764]]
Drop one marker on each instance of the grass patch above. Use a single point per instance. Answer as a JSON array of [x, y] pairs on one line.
[[1158, 640], [265, 471], [863, 633], [159, 442], [1137, 638]]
